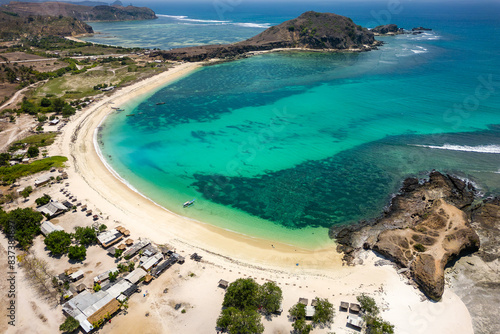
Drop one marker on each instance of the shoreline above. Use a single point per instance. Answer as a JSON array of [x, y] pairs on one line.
[[86, 164]]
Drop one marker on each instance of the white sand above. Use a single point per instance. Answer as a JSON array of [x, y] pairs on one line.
[[227, 255]]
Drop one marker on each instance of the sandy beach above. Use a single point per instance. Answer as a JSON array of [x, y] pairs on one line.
[[226, 255]]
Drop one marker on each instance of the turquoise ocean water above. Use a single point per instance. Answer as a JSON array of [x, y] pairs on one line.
[[284, 145]]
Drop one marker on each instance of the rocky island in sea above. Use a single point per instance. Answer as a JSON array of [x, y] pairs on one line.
[[311, 30]]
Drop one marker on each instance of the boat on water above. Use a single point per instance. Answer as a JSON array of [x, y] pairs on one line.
[[160, 103], [115, 108], [188, 203], [130, 115]]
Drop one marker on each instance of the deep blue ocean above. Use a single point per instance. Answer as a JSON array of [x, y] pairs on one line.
[[284, 145]]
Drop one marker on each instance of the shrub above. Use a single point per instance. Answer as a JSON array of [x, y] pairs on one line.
[[241, 294], [323, 313], [368, 304], [419, 248], [69, 325], [42, 200]]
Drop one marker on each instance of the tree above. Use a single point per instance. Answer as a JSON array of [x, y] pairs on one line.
[[22, 224], [270, 297], [242, 294], [58, 242], [85, 235], [240, 321], [69, 325], [298, 311], [77, 253], [4, 159], [58, 104], [376, 325], [33, 151], [42, 200], [301, 327], [45, 102], [323, 313], [113, 275], [368, 304], [26, 191]]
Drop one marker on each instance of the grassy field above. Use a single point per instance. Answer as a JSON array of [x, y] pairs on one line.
[[39, 140], [9, 174], [82, 85]]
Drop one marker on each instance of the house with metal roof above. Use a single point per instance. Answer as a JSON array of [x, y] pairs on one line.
[[136, 275], [48, 227], [52, 209], [43, 179], [152, 261], [109, 238]]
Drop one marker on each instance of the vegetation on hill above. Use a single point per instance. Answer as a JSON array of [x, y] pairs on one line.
[[79, 12], [14, 25]]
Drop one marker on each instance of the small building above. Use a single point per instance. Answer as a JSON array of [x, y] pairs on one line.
[[223, 284], [67, 204], [136, 248], [303, 301], [129, 242], [107, 89], [160, 268], [355, 320], [41, 180], [47, 227], [118, 288], [111, 251], [76, 275], [122, 247], [344, 306], [81, 287], [105, 275], [152, 261], [354, 308], [52, 209], [109, 238], [55, 121], [136, 275], [310, 312], [148, 278]]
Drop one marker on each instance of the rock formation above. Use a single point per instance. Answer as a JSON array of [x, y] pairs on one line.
[[310, 30], [423, 230], [386, 29]]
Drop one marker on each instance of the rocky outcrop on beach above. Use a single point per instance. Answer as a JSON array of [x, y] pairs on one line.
[[424, 228], [79, 12], [386, 29], [476, 277], [311, 30]]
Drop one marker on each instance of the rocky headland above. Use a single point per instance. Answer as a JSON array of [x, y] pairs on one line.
[[427, 226], [387, 29], [83, 13], [311, 30]]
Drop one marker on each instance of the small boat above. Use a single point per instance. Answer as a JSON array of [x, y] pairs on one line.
[[188, 203], [115, 108], [130, 115], [118, 109], [160, 103]]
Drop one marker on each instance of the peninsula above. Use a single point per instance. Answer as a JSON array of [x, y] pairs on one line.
[[311, 30]]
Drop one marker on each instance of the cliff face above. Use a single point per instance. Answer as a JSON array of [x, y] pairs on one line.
[[83, 13], [14, 26], [424, 229], [310, 30]]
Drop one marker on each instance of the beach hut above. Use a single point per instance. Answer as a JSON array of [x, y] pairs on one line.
[[223, 284], [109, 238], [120, 229], [354, 308], [129, 242], [303, 301], [126, 233], [89, 212], [355, 320], [148, 278], [80, 287], [122, 247], [344, 306], [314, 302]]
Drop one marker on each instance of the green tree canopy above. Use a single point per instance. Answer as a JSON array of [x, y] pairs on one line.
[[22, 224], [42, 200], [85, 235], [33, 151], [236, 321], [368, 304], [242, 294], [270, 297], [58, 242], [298, 311], [323, 313], [69, 325], [77, 253], [26, 191], [301, 327]]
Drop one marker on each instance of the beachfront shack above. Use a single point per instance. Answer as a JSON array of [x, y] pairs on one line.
[[136, 275], [152, 261], [136, 248], [76, 275], [355, 320], [223, 284], [118, 288], [47, 227], [354, 308], [159, 269], [43, 179], [105, 275], [310, 312], [91, 308], [52, 209], [109, 238]]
